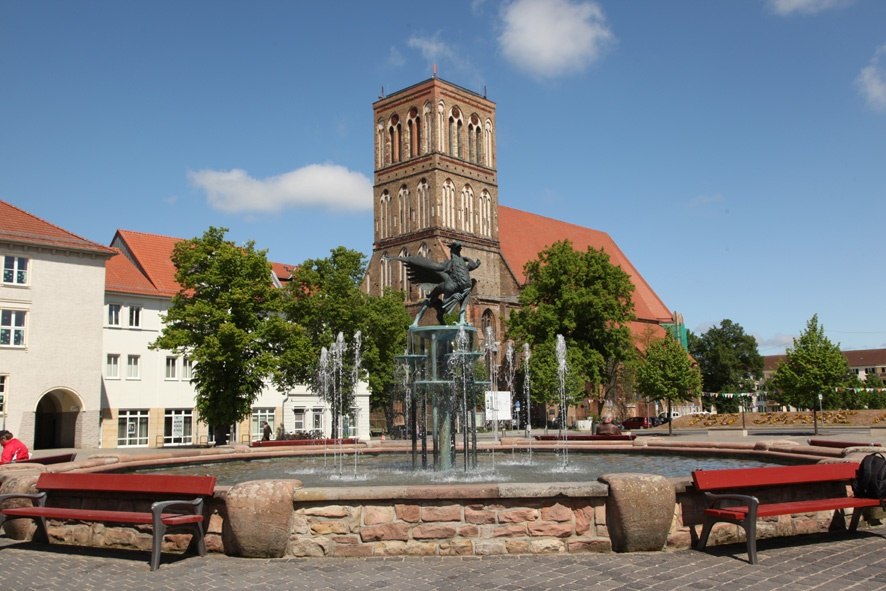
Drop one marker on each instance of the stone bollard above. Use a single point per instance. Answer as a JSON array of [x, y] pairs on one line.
[[21, 483], [639, 511], [259, 518]]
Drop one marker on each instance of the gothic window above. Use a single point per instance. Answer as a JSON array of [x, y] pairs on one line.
[[455, 133], [488, 145], [485, 214], [422, 252], [474, 140], [401, 271], [384, 272], [403, 209], [467, 208], [384, 215], [413, 125], [441, 109], [427, 144], [380, 144], [449, 206], [395, 132], [487, 322], [424, 204]]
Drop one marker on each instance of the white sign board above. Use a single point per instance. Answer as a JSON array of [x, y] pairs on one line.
[[498, 406]]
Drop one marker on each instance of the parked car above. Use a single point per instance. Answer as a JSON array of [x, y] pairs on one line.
[[636, 423]]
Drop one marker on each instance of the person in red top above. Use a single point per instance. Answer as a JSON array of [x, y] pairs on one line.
[[13, 449]]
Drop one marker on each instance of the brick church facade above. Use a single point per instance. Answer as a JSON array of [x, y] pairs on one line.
[[436, 181]]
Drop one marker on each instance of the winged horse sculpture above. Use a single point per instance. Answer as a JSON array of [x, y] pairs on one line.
[[449, 282]]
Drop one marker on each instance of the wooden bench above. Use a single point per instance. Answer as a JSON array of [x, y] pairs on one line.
[[841, 444], [175, 502], [724, 504]]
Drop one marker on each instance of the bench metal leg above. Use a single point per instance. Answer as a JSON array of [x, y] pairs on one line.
[[157, 545], [750, 530], [856, 517], [707, 526]]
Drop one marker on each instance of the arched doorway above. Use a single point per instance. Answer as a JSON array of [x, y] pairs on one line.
[[55, 421]]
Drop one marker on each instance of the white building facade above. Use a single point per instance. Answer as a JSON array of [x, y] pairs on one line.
[[51, 295]]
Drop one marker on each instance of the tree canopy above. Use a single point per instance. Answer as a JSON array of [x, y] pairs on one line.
[[585, 298], [666, 372], [728, 360], [224, 318], [324, 299], [813, 366]]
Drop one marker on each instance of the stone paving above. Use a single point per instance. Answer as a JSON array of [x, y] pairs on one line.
[[828, 562]]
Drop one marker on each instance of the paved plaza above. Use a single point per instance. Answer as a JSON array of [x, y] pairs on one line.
[[827, 562]]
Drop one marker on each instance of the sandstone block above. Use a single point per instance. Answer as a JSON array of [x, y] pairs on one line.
[[433, 532], [508, 531], [547, 546], [374, 515], [385, 532], [331, 511], [444, 513], [308, 548], [393, 548], [490, 547], [550, 529], [420, 548], [456, 548], [408, 513], [517, 515], [589, 545], [556, 512], [479, 516]]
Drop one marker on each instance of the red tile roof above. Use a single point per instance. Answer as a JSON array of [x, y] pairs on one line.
[[856, 358], [147, 268], [20, 227], [523, 235]]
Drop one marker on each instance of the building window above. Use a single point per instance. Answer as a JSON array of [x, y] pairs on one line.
[[260, 415], [135, 316], [178, 426], [170, 368], [15, 270], [317, 424], [132, 367], [299, 424], [12, 328], [187, 368], [112, 366], [113, 314], [3, 380], [132, 428]]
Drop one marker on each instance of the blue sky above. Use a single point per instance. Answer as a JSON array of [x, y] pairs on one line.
[[736, 151]]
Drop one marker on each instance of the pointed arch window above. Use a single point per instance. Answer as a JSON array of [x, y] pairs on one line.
[[488, 144], [384, 215], [467, 209], [401, 273], [413, 126], [485, 214], [422, 252], [380, 144], [395, 132], [384, 272], [449, 206], [403, 209], [455, 133], [424, 204], [475, 140]]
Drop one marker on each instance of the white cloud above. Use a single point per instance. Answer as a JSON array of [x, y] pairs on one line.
[[550, 38], [431, 48], [787, 7], [327, 186], [871, 81], [779, 341]]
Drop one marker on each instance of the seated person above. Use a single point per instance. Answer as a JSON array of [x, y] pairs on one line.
[[607, 428], [13, 449]]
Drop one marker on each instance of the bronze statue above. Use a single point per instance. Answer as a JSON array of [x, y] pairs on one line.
[[450, 279]]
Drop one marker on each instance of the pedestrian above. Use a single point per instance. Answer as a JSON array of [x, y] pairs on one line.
[[13, 449], [265, 431], [607, 428]]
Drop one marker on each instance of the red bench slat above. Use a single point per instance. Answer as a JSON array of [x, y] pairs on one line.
[[100, 515], [714, 480], [793, 507], [128, 483]]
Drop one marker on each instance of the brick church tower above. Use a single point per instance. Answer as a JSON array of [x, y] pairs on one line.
[[436, 182]]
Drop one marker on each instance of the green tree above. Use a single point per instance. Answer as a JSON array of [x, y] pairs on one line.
[[813, 366], [224, 318], [585, 298], [728, 360], [666, 372], [324, 299]]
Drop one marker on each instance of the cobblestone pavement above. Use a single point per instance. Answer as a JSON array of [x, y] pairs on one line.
[[827, 562]]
